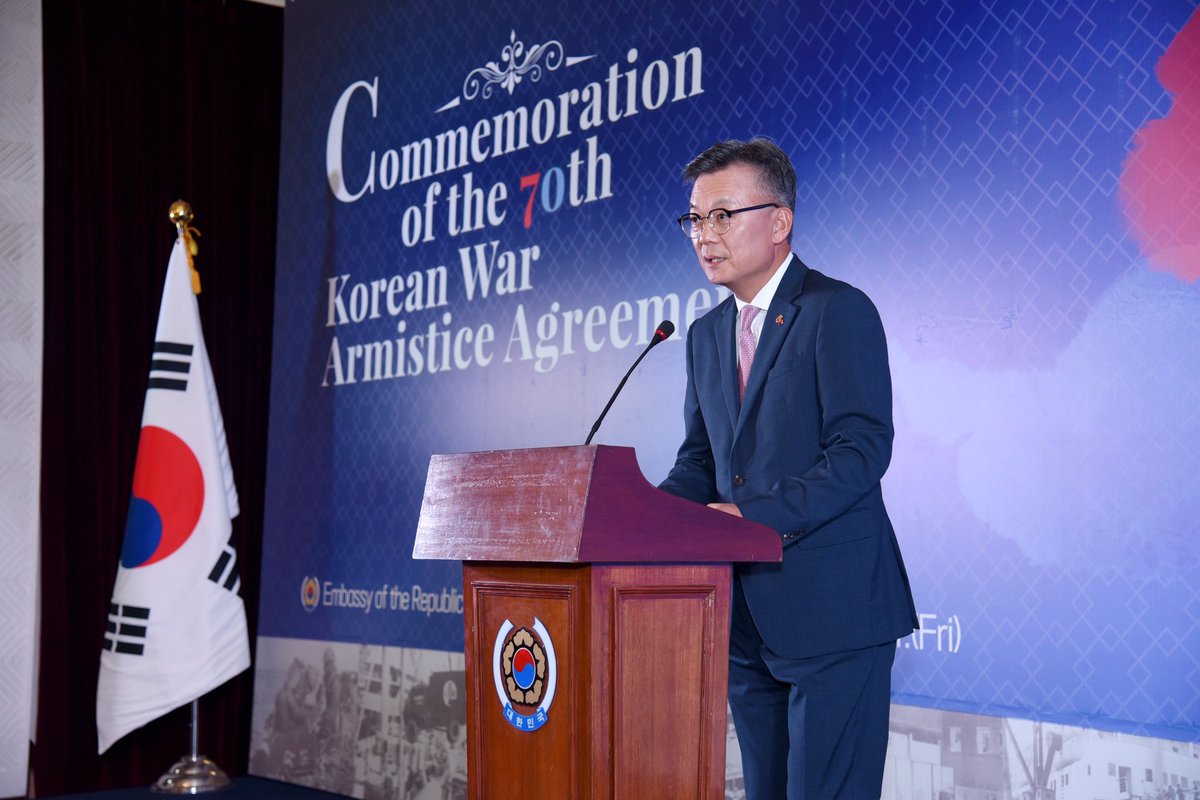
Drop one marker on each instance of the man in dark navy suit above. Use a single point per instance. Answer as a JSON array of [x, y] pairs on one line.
[[788, 422]]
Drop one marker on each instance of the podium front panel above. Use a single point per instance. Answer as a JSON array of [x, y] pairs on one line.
[[524, 721]]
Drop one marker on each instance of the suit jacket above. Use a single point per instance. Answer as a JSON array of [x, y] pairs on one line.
[[803, 454]]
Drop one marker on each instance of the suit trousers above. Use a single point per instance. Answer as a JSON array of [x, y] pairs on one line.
[[809, 728]]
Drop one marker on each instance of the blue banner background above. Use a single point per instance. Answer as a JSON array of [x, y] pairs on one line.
[[961, 165]]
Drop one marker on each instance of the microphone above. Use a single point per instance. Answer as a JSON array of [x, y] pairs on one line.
[[661, 334]]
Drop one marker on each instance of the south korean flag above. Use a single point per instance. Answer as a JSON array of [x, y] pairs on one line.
[[176, 625]]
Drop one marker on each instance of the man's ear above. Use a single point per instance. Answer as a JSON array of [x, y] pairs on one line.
[[782, 228]]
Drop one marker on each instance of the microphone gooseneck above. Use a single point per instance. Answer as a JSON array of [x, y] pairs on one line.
[[661, 334]]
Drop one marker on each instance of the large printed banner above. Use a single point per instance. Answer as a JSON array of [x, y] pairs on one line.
[[477, 236]]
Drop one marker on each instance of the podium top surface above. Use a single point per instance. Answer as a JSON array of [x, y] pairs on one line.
[[580, 504]]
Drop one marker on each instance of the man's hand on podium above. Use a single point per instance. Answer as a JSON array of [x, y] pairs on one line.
[[728, 508]]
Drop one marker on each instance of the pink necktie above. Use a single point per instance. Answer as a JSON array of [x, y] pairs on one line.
[[746, 346]]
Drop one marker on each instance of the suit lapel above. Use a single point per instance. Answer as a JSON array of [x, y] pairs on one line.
[[785, 308]]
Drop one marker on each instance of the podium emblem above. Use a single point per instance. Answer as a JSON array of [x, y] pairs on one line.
[[525, 672]]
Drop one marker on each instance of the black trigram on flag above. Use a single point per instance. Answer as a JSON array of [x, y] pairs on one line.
[[170, 366], [126, 629], [225, 572]]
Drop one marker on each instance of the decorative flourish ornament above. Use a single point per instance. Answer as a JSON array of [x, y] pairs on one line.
[[514, 65]]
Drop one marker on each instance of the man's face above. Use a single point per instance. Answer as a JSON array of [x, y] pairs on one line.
[[745, 257]]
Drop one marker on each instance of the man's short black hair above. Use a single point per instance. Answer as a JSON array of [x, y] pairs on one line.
[[777, 175]]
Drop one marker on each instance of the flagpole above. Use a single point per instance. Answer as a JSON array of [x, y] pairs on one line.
[[195, 728], [194, 773]]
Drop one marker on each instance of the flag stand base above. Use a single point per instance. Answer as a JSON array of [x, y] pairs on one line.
[[194, 774]]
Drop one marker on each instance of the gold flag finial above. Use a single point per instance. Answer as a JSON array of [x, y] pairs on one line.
[[180, 213]]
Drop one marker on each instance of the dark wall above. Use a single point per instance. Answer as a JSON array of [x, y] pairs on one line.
[[146, 101]]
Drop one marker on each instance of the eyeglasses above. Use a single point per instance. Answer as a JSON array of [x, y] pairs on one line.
[[718, 220]]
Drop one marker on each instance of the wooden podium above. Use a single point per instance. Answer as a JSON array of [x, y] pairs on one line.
[[597, 622]]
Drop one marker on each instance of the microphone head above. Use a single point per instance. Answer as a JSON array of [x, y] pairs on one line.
[[664, 330]]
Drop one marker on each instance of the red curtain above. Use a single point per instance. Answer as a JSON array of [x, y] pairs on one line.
[[146, 102]]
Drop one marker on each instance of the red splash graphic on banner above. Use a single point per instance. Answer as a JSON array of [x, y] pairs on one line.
[[1160, 184]]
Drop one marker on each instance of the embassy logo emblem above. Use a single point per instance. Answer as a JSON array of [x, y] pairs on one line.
[[310, 593]]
